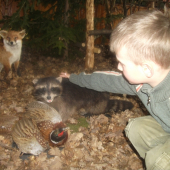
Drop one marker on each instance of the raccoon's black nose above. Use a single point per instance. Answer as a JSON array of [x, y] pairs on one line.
[[48, 97]]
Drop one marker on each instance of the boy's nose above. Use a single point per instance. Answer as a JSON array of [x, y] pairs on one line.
[[119, 67]]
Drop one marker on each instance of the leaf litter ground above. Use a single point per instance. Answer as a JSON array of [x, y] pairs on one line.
[[95, 143]]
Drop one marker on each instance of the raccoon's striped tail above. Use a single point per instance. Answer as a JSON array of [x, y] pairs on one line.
[[119, 105]]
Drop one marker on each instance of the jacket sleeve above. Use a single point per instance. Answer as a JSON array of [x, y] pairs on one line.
[[108, 81]]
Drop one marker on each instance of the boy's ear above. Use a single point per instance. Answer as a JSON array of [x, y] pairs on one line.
[[147, 70]]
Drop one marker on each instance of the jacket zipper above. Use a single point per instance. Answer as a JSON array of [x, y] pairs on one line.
[[149, 100]]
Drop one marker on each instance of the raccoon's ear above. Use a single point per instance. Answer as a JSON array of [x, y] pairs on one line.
[[59, 79], [35, 81], [3, 33], [22, 33]]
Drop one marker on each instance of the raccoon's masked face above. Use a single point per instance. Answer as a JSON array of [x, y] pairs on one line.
[[47, 91]]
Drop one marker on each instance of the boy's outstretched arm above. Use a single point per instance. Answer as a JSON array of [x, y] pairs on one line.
[[104, 81]]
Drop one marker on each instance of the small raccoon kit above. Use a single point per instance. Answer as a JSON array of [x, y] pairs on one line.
[[68, 98]]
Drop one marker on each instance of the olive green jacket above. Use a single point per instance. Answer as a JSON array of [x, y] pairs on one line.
[[156, 100]]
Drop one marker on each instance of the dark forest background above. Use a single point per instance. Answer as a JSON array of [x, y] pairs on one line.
[[54, 25]]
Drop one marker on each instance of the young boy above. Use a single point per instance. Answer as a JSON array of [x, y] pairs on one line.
[[142, 46]]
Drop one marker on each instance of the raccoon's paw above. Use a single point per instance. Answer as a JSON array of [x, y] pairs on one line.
[[88, 115], [82, 112]]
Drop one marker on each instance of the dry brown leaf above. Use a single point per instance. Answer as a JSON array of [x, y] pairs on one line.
[[102, 119], [4, 155], [78, 153], [72, 121], [29, 90], [95, 143], [13, 105], [42, 157], [82, 164], [19, 109], [134, 162], [7, 122], [1, 137], [54, 151], [15, 155], [99, 166], [18, 162], [89, 158], [74, 140], [56, 163], [43, 166], [13, 83]]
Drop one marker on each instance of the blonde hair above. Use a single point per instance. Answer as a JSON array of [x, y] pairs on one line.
[[145, 35]]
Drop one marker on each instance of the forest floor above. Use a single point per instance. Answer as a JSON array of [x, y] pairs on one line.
[[97, 144]]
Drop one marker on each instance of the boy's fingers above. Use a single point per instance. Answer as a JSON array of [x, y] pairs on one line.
[[65, 75]]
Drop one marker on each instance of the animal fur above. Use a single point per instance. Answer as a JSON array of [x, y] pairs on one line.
[[68, 98], [10, 50]]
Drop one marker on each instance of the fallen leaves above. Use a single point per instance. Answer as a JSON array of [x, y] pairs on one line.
[[96, 145], [54, 151], [101, 146], [7, 122]]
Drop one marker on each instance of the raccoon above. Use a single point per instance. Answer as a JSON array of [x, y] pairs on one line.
[[68, 98]]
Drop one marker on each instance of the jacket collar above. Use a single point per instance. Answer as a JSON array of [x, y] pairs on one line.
[[161, 92]]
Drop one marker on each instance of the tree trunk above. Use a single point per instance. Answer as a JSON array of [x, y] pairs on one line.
[[66, 24], [152, 5], [89, 60], [124, 8]]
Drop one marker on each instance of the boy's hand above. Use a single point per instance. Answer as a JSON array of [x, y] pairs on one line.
[[65, 75]]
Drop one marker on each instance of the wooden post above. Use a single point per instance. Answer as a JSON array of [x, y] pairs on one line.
[[66, 23], [89, 60], [153, 5]]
